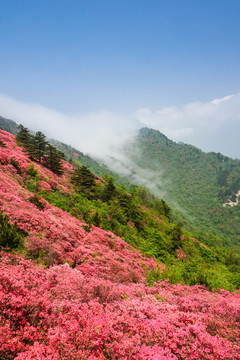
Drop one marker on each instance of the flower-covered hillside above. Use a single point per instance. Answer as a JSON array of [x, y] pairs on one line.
[[75, 291], [133, 214], [60, 313], [55, 236]]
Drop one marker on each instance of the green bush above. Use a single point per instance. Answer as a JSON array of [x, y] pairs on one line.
[[15, 163], [31, 171], [10, 234], [36, 201]]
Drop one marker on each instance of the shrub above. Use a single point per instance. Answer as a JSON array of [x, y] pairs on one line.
[[10, 234], [36, 201], [31, 171], [15, 163]]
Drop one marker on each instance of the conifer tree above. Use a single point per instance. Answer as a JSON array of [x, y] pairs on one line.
[[23, 135], [40, 145], [30, 147], [109, 190], [25, 139], [84, 179], [52, 159]]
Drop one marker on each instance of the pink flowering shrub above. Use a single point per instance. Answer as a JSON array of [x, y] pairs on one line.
[[180, 254], [43, 185], [60, 313]]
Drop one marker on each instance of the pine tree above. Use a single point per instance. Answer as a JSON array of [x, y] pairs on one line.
[[40, 145], [85, 180], [30, 147], [109, 190], [27, 140], [52, 159], [23, 135]]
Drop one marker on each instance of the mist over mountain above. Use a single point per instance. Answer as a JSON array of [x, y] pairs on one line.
[[202, 188], [211, 126]]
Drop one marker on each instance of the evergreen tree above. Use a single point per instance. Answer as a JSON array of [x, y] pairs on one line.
[[23, 135], [109, 190], [27, 140], [84, 179], [40, 145], [52, 159], [30, 147]]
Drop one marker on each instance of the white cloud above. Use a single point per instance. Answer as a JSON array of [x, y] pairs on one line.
[[218, 101], [212, 126], [99, 134]]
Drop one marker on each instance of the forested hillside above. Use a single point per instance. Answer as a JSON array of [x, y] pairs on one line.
[[202, 187]]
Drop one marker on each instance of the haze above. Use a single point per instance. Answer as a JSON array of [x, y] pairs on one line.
[[91, 73]]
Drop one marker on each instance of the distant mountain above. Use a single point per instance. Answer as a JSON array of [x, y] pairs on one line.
[[8, 125], [202, 187]]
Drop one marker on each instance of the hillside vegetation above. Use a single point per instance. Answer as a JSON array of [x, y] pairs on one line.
[[201, 186], [78, 275], [138, 217]]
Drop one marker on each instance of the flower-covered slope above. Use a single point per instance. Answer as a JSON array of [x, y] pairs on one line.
[[85, 296], [56, 234]]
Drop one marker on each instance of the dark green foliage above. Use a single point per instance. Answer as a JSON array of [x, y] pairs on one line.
[[36, 201], [176, 234], [84, 180], [52, 159], [15, 163], [154, 276], [96, 220], [10, 234], [23, 136], [2, 144], [30, 148], [40, 145], [162, 208], [38, 149], [109, 190]]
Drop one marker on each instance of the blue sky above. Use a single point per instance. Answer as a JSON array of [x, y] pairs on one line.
[[125, 58]]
